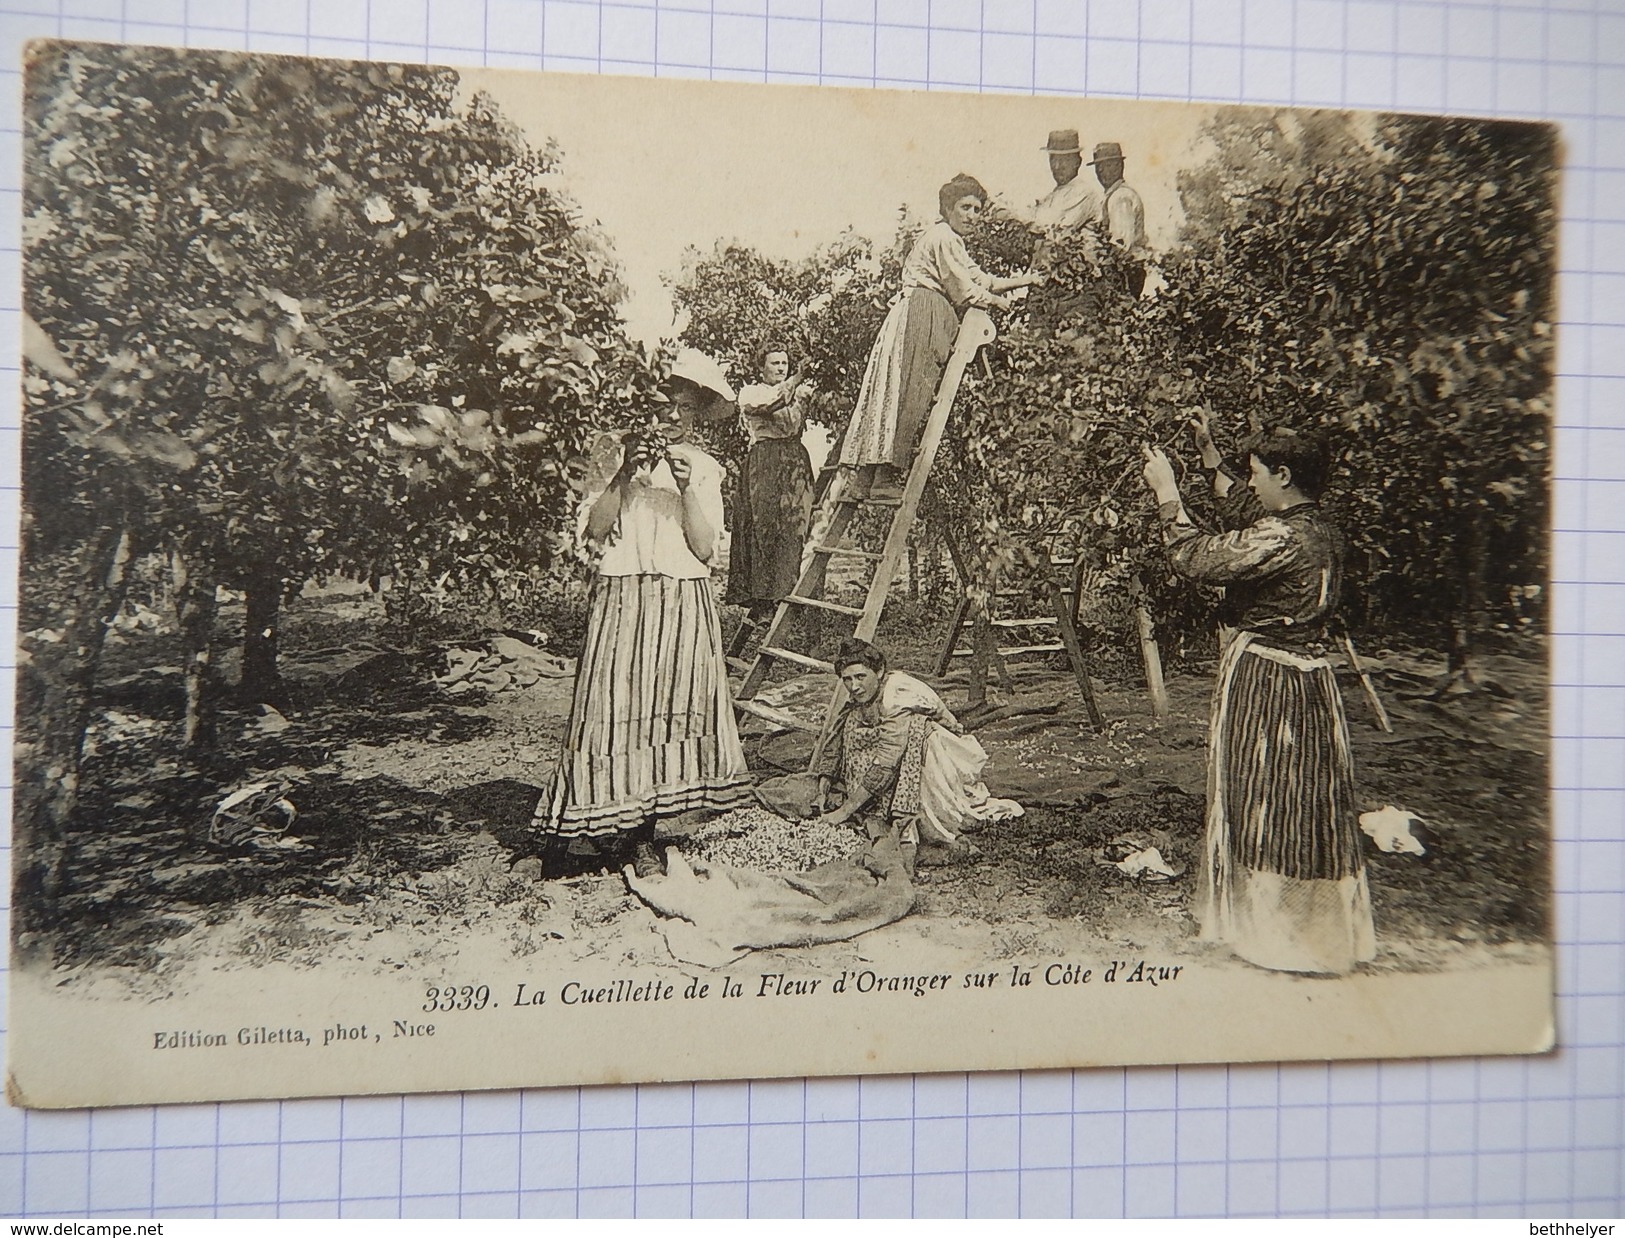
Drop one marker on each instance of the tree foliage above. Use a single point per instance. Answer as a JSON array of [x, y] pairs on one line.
[[825, 309], [1389, 279], [291, 318], [1403, 300], [360, 325]]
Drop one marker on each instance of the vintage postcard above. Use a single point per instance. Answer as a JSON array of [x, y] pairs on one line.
[[533, 579]]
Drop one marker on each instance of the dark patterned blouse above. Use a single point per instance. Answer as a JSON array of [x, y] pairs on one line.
[[1281, 574]]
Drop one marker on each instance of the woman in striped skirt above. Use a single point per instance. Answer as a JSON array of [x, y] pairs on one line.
[[651, 730], [1283, 878]]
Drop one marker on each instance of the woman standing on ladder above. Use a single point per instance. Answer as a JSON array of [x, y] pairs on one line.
[[906, 362], [1283, 878]]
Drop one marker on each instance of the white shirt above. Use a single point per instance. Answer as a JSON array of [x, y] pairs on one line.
[[939, 261], [1124, 216], [772, 411], [647, 539], [1066, 207]]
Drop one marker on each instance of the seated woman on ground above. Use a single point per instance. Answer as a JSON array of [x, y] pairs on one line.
[[899, 765]]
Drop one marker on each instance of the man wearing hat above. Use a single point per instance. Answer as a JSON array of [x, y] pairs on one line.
[[1073, 202], [1070, 205], [1121, 211]]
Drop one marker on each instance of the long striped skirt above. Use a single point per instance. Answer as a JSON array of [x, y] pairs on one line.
[[1283, 879], [651, 729]]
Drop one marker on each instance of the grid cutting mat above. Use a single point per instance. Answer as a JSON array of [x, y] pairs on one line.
[[1541, 1136]]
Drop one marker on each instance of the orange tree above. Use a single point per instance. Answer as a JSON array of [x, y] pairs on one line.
[[1403, 299], [1392, 286], [1045, 449], [1389, 279], [285, 319]]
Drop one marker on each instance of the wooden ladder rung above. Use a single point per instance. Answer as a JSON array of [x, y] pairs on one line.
[[800, 659], [820, 604], [778, 716], [883, 501], [1011, 651], [874, 556], [1039, 621], [741, 664]]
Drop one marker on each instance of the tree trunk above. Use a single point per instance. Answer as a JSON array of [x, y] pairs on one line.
[[55, 679], [261, 681], [194, 614], [982, 654], [1150, 654], [1468, 624]]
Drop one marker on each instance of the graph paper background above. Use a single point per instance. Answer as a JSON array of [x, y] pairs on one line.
[[1458, 1138]]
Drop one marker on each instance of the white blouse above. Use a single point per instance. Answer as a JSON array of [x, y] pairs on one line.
[[774, 411], [939, 261], [647, 539]]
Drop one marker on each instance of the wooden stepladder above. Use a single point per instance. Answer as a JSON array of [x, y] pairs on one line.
[[1061, 600], [975, 331]]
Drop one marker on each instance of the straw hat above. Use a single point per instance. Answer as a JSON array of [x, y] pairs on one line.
[[1063, 142], [700, 370]]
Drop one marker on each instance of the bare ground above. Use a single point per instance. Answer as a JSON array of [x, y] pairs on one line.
[[414, 806]]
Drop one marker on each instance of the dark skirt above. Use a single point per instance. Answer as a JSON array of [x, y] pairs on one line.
[[771, 518], [1289, 776]]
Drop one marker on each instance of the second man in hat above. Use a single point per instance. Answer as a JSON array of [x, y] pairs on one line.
[[1122, 212]]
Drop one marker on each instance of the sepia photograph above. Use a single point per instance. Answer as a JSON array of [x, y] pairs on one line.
[[538, 579]]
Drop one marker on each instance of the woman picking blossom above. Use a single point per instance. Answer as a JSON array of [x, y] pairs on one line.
[[1283, 882]]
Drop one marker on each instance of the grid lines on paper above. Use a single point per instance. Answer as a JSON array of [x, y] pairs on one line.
[[1539, 1136]]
